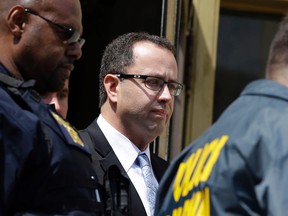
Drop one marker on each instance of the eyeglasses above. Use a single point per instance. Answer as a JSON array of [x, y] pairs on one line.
[[155, 83], [70, 35]]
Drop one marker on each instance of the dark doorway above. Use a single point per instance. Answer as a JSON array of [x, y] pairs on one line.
[[243, 45]]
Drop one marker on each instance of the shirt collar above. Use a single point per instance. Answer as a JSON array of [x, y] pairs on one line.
[[124, 149]]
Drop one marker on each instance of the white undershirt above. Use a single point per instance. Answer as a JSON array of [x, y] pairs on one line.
[[127, 153]]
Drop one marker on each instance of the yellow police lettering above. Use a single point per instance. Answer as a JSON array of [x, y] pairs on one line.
[[196, 169], [196, 176], [213, 158], [182, 179], [197, 205], [191, 166]]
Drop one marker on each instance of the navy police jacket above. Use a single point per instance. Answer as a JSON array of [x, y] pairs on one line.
[[239, 166], [45, 168]]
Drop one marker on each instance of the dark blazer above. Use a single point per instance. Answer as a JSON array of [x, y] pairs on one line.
[[106, 158]]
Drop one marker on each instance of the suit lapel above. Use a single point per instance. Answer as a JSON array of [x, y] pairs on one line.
[[159, 166], [108, 158]]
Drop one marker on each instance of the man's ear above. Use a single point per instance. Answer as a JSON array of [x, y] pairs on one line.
[[16, 20], [111, 82]]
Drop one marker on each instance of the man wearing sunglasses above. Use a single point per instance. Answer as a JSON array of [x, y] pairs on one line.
[[138, 85], [45, 167]]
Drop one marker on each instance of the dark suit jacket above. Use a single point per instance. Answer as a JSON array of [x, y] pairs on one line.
[[106, 158]]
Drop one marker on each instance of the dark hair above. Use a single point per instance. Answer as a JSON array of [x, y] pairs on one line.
[[119, 54], [278, 54]]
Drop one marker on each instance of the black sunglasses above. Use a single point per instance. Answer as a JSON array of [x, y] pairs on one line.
[[71, 36], [154, 83]]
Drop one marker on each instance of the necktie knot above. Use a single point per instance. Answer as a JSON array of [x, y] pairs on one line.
[[143, 160]]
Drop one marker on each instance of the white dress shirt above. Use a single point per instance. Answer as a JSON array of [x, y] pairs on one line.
[[127, 153]]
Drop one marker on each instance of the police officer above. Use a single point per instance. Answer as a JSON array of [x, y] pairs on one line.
[[239, 165], [45, 167]]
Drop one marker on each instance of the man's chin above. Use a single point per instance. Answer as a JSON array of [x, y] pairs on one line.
[[156, 129]]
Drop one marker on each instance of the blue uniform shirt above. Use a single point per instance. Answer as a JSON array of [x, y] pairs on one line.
[[44, 165]]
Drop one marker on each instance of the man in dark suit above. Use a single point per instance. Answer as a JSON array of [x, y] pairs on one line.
[[138, 82]]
